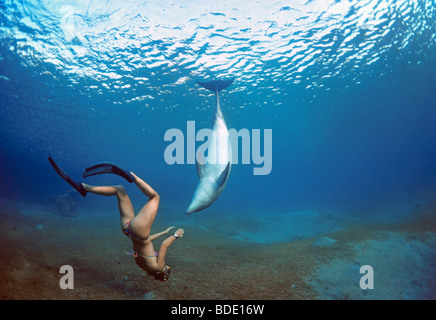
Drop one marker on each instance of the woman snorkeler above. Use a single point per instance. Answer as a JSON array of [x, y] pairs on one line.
[[138, 227]]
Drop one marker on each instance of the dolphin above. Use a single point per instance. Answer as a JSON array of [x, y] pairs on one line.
[[213, 174]]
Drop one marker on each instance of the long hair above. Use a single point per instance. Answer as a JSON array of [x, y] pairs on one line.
[[163, 275]]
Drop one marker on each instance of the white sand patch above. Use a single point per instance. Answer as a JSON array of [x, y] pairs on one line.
[[403, 269]]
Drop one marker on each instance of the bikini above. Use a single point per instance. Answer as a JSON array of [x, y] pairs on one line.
[[128, 232], [135, 254]]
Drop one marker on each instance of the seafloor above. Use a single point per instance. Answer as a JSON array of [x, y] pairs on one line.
[[210, 264]]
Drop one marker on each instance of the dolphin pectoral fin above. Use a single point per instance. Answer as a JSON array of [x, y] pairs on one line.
[[223, 176], [216, 85], [200, 169], [200, 166]]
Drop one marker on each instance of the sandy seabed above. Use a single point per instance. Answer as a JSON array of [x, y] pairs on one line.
[[213, 265]]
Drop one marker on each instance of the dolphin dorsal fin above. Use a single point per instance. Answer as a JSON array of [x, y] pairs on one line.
[[223, 176]]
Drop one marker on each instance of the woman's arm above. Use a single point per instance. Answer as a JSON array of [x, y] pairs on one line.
[[159, 234], [165, 245]]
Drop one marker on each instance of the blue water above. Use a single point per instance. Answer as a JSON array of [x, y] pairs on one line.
[[347, 87]]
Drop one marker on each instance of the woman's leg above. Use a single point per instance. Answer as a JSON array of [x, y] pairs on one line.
[[124, 204], [141, 224]]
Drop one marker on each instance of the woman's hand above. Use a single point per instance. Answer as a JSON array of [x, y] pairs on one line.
[[167, 230]]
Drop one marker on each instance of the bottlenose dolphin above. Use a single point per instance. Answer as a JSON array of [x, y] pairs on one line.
[[213, 174]]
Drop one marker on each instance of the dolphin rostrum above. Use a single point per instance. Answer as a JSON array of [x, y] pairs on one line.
[[215, 171]]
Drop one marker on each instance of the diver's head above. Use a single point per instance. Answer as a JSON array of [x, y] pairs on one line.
[[163, 275]]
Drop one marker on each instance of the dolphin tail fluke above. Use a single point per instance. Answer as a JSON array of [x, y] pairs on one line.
[[216, 85]]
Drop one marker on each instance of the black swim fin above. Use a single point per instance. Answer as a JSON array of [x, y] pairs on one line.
[[107, 167], [76, 185]]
